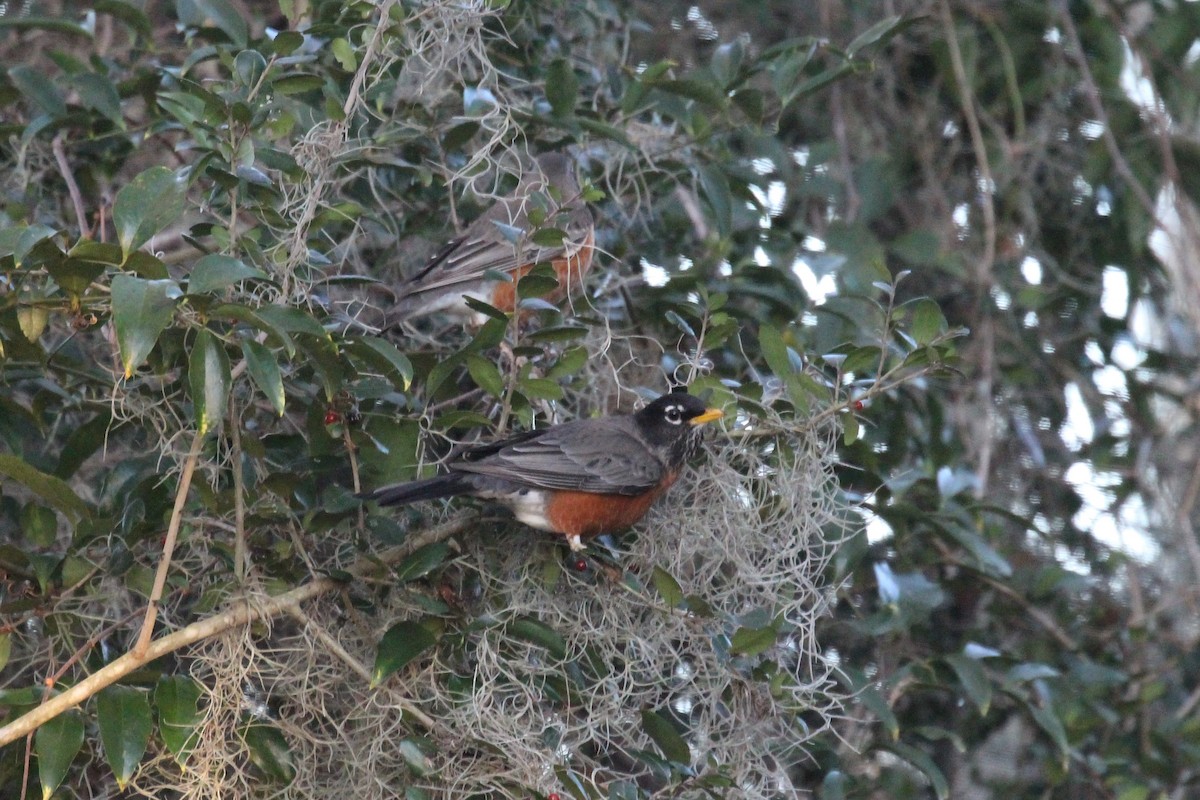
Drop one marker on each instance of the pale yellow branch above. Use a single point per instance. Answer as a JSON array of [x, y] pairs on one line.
[[164, 564], [241, 614]]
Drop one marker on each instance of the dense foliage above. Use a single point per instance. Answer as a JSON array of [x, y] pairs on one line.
[[934, 258]]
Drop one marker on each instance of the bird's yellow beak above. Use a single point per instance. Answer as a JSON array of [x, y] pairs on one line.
[[709, 415]]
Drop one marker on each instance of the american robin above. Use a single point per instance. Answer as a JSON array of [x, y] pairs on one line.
[[497, 244], [579, 479]]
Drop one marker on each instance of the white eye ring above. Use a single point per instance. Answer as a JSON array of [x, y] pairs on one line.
[[674, 414]]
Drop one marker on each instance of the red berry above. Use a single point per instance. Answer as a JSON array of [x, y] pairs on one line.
[[332, 417], [552, 796], [858, 405], [581, 565]]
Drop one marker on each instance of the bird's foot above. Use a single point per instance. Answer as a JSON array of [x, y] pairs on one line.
[[576, 544]]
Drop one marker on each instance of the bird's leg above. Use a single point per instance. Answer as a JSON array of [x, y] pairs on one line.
[[575, 543]]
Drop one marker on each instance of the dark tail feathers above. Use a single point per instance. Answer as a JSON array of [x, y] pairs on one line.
[[448, 485]]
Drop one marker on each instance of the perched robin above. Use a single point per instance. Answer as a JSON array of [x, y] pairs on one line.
[[495, 251], [579, 479]]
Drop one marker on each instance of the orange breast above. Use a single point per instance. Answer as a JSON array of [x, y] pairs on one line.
[[588, 514], [570, 272]]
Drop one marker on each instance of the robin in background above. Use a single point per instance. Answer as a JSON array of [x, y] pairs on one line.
[[474, 264], [579, 479]]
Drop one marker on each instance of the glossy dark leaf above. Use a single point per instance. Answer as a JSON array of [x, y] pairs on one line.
[[209, 379], [973, 679], [123, 716], [146, 205], [924, 764], [663, 733], [56, 744], [421, 562], [403, 642], [539, 633], [214, 272], [36, 86], [52, 490], [562, 87], [752, 641], [264, 371], [269, 751], [177, 699], [142, 310]]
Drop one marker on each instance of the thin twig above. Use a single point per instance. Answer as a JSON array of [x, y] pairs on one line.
[[164, 564], [64, 168]]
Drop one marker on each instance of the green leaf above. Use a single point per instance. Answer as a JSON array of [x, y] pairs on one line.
[[850, 429], [177, 698], [663, 733], [98, 93], [209, 380], [146, 205], [126, 12], [32, 321], [715, 186], [752, 641], [141, 311], [927, 321], [385, 354], [52, 24], [106, 253], [249, 66], [402, 643], [56, 744], [973, 679], [296, 83], [416, 759], [240, 313], [775, 352], [1046, 719], [5, 649], [36, 86], [877, 704], [540, 389], [485, 374], [264, 371], [123, 716], [862, 360], [539, 633], [421, 562], [220, 13], [51, 489], [343, 51], [562, 87], [667, 587], [881, 31], [39, 525], [703, 92], [215, 271], [292, 320], [74, 276], [924, 763], [987, 557], [270, 752]]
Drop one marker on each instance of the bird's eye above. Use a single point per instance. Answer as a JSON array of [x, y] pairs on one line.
[[674, 414]]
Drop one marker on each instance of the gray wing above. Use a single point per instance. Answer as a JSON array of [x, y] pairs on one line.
[[484, 248], [600, 456]]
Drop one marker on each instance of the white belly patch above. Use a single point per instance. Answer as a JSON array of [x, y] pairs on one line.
[[527, 506]]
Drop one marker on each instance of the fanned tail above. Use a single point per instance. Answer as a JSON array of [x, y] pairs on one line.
[[448, 485]]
